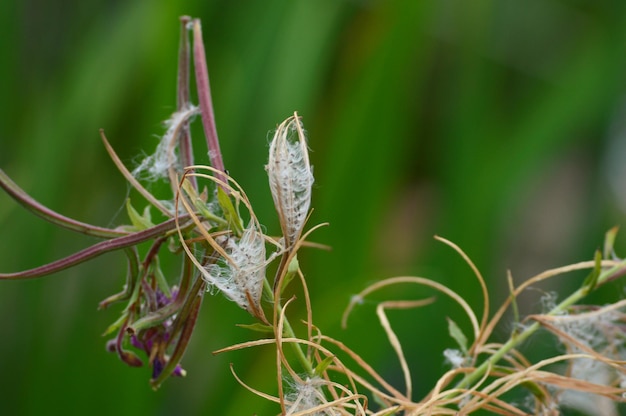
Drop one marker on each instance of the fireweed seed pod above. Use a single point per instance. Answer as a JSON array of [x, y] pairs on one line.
[[164, 158], [290, 177], [240, 277]]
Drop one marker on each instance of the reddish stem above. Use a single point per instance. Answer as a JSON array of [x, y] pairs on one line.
[[183, 96], [96, 250], [204, 96]]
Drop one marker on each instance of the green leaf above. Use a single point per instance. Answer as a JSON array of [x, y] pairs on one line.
[[199, 202], [160, 278], [116, 325], [257, 327], [609, 241], [383, 404], [591, 281], [140, 222], [292, 269], [456, 333], [294, 265], [234, 221], [323, 365]]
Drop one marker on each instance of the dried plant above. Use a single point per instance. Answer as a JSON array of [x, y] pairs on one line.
[[211, 221]]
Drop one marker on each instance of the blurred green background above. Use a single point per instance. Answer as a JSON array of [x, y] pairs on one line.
[[497, 124]]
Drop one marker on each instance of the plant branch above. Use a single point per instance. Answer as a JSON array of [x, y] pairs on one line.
[[183, 99], [519, 338], [20, 196], [204, 96], [95, 251]]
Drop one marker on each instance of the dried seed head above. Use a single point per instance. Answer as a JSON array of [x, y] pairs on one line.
[[455, 357], [164, 158], [308, 395], [241, 276], [290, 177]]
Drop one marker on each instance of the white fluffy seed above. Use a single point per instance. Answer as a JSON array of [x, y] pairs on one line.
[[290, 177]]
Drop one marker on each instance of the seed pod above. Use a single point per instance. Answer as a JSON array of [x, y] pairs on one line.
[[290, 177], [240, 277], [165, 158]]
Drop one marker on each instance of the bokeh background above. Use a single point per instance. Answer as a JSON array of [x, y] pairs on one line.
[[497, 124]]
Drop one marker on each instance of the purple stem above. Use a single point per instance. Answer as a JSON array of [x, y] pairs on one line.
[[204, 96], [182, 92], [47, 214], [96, 250], [183, 96]]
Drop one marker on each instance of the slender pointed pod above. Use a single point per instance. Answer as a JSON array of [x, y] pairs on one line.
[[204, 96], [291, 178]]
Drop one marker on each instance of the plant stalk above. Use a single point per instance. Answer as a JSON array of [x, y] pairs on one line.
[[519, 338]]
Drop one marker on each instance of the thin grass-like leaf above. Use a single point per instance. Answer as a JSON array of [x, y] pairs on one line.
[[131, 179], [393, 338]]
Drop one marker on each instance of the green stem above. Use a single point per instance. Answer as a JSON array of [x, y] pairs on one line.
[[517, 339], [288, 332]]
